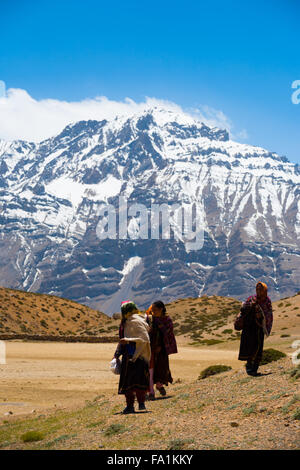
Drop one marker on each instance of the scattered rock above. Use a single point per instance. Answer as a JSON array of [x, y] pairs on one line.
[[233, 424]]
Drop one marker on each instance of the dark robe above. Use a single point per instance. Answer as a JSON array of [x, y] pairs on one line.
[[252, 338]]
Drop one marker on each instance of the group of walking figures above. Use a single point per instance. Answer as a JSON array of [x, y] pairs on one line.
[[147, 340]]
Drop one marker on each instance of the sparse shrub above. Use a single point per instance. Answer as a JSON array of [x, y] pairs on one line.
[[296, 414], [211, 342], [250, 410], [271, 355], [294, 400], [32, 436], [115, 428], [178, 444], [213, 370]]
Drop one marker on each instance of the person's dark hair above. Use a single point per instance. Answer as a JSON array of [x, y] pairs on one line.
[[127, 306], [160, 304]]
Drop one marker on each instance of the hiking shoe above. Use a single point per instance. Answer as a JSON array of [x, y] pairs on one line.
[[162, 391], [129, 409], [142, 406]]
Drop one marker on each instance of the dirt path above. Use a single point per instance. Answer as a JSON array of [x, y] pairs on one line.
[[40, 376]]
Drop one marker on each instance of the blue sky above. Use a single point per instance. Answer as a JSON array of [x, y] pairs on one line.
[[237, 57]]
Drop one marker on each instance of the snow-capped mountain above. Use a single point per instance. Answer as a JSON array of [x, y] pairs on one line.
[[51, 194]]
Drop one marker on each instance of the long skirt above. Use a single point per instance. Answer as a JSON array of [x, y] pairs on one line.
[[134, 375], [252, 343], [162, 373]]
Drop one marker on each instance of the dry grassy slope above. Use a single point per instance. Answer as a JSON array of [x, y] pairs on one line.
[[205, 320], [227, 411], [209, 319], [27, 312]]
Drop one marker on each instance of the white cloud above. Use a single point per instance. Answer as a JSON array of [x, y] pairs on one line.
[[2, 88], [23, 117], [216, 118]]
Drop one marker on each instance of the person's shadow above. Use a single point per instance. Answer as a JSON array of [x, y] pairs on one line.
[[162, 398], [261, 374], [135, 413]]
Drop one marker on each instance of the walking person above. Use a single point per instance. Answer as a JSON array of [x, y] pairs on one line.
[[255, 320], [134, 347], [163, 343]]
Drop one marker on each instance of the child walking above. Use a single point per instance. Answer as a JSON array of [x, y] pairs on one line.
[[134, 347]]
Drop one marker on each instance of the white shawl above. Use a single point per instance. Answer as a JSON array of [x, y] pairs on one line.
[[136, 330]]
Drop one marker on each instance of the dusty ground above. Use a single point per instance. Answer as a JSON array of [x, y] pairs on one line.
[[226, 411], [41, 376]]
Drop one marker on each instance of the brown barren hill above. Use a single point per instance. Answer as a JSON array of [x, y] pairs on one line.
[[41, 314], [200, 321]]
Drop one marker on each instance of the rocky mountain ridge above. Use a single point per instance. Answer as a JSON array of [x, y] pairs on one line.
[[52, 192]]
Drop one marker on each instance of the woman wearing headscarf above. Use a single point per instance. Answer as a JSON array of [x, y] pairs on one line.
[[255, 320], [134, 346], [163, 343]]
